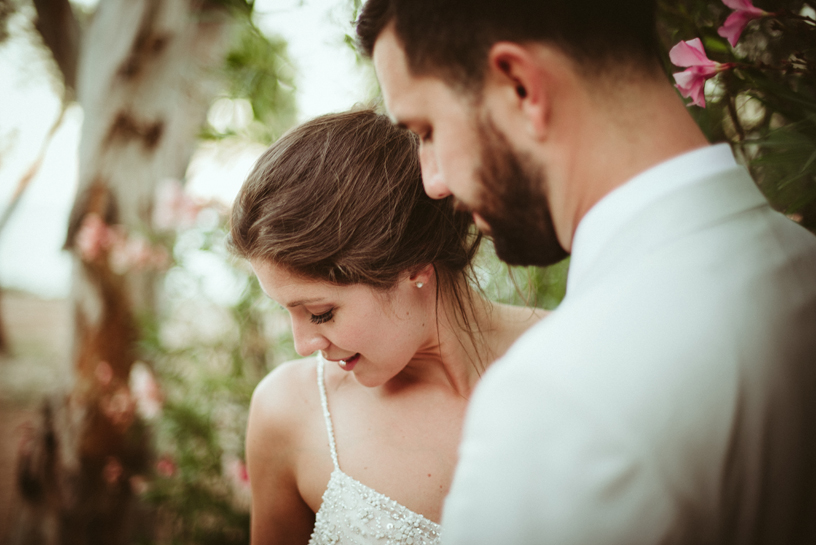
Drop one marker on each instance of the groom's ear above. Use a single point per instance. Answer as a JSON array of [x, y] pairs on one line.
[[520, 87]]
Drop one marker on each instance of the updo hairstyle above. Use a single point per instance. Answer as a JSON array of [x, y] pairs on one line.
[[340, 199]]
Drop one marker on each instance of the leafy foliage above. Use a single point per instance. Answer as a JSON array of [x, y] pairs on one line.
[[542, 287], [766, 105], [258, 72], [209, 357]]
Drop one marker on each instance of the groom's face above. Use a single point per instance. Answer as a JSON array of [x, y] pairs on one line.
[[513, 203], [462, 153], [442, 119]]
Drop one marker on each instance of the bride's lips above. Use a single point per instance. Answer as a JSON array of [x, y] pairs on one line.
[[349, 363]]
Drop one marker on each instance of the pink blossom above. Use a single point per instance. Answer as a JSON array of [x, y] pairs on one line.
[[104, 373], [237, 471], [129, 253], [691, 81], [112, 471], [238, 477], [145, 390], [744, 12], [135, 252], [119, 407], [166, 467], [124, 252], [174, 209], [93, 237]]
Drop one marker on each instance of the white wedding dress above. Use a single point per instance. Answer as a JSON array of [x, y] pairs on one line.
[[352, 513]]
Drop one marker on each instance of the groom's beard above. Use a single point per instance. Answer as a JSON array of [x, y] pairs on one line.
[[513, 204]]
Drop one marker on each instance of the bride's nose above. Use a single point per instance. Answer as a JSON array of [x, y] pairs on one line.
[[308, 339]]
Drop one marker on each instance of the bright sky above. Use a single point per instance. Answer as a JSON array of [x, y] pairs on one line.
[[327, 77]]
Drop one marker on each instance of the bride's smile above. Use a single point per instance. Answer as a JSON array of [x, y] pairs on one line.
[[373, 333]]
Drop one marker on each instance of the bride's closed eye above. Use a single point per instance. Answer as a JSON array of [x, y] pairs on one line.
[[322, 318]]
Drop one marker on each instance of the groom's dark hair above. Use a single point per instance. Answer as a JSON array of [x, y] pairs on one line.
[[451, 38]]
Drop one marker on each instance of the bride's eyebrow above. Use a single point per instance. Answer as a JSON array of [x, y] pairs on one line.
[[299, 302]]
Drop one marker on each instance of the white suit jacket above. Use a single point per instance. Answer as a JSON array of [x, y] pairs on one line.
[[671, 398]]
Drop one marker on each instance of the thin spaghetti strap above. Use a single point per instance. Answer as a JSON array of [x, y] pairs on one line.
[[321, 385]]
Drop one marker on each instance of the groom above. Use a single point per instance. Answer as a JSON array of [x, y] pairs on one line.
[[671, 398]]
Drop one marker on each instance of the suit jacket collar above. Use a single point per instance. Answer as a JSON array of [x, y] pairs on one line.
[[678, 196]]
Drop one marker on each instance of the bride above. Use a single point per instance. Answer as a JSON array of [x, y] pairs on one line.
[[358, 444]]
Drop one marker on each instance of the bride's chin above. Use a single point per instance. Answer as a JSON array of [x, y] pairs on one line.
[[367, 380]]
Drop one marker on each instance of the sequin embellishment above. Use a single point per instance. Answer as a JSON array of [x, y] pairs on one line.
[[352, 513]]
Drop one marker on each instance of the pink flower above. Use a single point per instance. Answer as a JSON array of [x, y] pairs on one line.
[[174, 208], [119, 407], [96, 240], [129, 253], [112, 471], [238, 478], [691, 81], [166, 467], [136, 253], [104, 373], [744, 13], [93, 237], [237, 471]]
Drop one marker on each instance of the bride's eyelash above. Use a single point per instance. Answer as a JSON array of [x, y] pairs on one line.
[[322, 318]]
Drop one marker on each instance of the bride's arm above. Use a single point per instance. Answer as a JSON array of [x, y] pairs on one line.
[[279, 514]]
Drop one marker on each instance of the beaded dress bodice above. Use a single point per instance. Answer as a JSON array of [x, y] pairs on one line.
[[352, 513]]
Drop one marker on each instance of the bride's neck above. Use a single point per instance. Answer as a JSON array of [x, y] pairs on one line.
[[474, 332], [468, 343]]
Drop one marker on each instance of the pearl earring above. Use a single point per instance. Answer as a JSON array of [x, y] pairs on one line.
[[419, 284]]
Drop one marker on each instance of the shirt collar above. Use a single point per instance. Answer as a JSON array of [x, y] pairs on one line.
[[603, 220]]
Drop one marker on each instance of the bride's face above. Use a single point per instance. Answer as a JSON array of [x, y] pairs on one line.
[[374, 333]]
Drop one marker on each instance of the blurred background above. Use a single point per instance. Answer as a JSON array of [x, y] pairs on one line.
[[130, 341]]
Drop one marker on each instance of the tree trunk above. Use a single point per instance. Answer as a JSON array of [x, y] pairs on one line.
[[146, 76], [4, 345]]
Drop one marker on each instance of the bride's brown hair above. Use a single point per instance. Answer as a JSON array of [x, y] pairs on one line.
[[340, 199]]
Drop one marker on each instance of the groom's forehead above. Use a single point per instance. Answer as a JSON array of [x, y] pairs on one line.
[[407, 97], [400, 88]]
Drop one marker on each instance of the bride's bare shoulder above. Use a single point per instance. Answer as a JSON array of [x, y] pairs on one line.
[[510, 323], [283, 405], [521, 317], [285, 397]]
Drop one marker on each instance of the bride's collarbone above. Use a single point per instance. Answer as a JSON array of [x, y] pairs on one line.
[[402, 446], [419, 415], [414, 471]]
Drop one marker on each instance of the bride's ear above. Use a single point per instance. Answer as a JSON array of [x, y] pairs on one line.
[[423, 276]]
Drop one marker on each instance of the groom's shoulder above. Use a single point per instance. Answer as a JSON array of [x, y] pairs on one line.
[[666, 319]]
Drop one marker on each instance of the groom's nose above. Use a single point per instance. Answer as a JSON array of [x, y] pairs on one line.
[[431, 176]]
